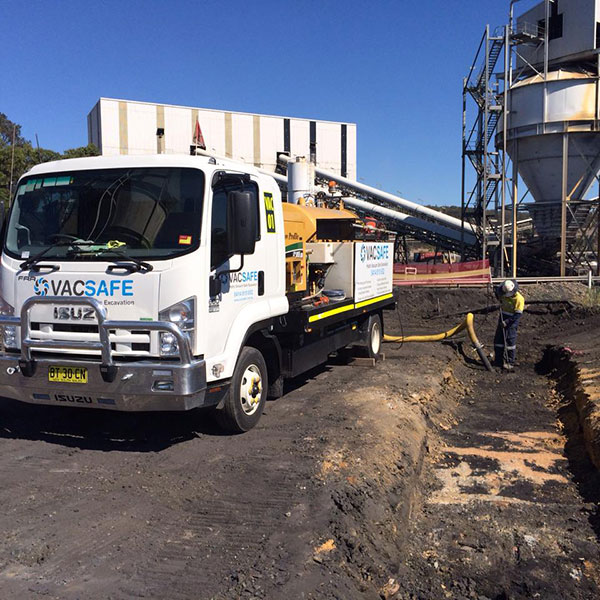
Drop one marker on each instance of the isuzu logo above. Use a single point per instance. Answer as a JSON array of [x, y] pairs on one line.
[[73, 313]]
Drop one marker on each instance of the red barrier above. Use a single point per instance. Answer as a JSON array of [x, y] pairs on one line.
[[473, 272]]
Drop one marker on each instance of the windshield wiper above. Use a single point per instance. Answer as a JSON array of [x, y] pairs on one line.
[[32, 260], [75, 247], [142, 266]]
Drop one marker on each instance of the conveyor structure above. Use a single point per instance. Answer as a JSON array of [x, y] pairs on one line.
[[401, 215]]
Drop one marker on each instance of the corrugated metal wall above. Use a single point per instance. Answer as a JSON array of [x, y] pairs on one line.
[[128, 127]]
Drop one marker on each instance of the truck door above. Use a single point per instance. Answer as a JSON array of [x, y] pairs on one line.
[[244, 297]]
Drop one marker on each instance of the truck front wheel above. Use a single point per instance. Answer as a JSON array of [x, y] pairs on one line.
[[245, 400]]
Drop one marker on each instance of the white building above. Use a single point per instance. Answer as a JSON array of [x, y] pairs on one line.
[[130, 127]]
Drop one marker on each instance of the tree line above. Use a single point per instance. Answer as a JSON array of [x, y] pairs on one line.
[[18, 155]]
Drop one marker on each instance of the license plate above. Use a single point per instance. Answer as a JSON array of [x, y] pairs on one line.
[[68, 374]]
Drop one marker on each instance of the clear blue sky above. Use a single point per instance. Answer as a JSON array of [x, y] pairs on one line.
[[394, 67]]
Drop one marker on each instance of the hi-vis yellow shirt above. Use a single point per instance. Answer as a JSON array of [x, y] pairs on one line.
[[511, 305]]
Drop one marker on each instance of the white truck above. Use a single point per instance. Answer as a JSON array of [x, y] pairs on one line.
[[144, 283]]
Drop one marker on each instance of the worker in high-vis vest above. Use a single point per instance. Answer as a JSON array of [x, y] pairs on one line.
[[512, 305]]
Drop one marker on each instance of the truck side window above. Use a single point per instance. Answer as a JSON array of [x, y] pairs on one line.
[[218, 246]]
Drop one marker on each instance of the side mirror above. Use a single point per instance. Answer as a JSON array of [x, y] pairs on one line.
[[241, 223]]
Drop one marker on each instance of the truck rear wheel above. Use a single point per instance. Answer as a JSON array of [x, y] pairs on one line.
[[374, 336], [245, 400]]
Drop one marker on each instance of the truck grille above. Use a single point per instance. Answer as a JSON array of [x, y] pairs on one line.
[[122, 341]]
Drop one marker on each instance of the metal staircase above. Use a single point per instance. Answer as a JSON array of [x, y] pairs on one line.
[[480, 203]]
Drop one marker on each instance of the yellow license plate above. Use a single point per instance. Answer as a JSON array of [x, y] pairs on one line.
[[68, 374]]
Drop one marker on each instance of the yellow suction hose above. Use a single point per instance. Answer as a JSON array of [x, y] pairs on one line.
[[438, 337]]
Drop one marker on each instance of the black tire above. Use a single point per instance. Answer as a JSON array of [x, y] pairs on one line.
[[374, 336], [245, 400]]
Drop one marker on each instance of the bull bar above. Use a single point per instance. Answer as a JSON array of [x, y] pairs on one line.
[[136, 390]]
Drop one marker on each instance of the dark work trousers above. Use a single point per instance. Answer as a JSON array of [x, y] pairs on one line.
[[505, 340]]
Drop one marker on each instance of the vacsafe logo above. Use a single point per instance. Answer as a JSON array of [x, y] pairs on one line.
[[41, 286], [90, 288], [374, 252], [363, 253]]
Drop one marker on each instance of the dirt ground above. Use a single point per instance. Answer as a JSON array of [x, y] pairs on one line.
[[422, 477]]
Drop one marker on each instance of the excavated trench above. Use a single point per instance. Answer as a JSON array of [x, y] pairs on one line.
[[577, 406]]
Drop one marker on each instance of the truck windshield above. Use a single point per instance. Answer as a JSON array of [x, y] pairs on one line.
[[145, 212]]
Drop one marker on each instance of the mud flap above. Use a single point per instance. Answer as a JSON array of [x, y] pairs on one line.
[[215, 395]]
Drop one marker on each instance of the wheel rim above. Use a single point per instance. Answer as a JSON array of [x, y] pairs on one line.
[[251, 389], [375, 338]]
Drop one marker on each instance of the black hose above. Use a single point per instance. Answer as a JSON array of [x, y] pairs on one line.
[[483, 357]]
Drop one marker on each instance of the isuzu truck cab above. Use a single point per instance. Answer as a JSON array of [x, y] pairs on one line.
[[173, 282]]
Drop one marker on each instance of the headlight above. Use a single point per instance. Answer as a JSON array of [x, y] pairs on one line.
[[181, 314], [9, 332]]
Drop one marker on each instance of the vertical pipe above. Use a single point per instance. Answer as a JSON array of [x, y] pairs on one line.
[[546, 36], [597, 89], [515, 195], [510, 28], [37, 143], [513, 257], [598, 232], [563, 205], [462, 184], [504, 148], [485, 145], [546, 40], [344, 157], [598, 200]]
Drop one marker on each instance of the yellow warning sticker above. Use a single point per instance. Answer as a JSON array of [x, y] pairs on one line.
[[270, 212]]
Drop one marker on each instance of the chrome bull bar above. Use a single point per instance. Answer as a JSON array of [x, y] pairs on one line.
[[108, 368]]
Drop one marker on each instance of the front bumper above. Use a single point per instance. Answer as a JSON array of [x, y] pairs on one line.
[[143, 385], [136, 386]]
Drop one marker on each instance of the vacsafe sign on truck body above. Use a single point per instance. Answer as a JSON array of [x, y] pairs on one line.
[[373, 265], [174, 282]]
